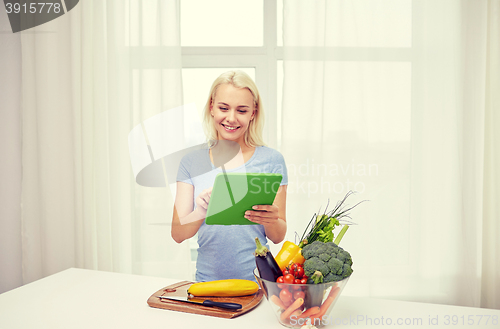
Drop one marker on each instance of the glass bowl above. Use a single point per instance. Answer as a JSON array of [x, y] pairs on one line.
[[318, 301]]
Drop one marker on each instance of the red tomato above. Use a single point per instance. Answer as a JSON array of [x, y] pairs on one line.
[[299, 272], [289, 278], [296, 284], [293, 269], [285, 296], [303, 281], [280, 280], [299, 294]]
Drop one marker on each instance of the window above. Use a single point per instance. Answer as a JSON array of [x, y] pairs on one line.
[[222, 23], [196, 82]]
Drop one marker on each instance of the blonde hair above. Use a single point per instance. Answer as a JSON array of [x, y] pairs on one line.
[[239, 79]]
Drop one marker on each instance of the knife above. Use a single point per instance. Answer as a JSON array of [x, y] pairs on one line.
[[205, 302]]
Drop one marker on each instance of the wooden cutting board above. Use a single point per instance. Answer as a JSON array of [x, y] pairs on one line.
[[180, 289]]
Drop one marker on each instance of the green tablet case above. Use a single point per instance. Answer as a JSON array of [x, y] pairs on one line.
[[235, 193]]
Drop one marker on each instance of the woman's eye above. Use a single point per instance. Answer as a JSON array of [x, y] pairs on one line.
[[242, 111], [223, 108]]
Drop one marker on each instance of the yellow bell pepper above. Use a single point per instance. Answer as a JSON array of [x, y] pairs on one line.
[[289, 253]]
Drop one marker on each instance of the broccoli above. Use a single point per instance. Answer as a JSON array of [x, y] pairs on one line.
[[347, 270], [331, 278], [325, 257], [310, 249], [317, 277], [332, 248], [342, 256], [317, 249], [315, 264], [331, 261], [335, 265], [348, 259]]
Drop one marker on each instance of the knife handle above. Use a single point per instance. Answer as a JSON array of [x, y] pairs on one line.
[[231, 306]]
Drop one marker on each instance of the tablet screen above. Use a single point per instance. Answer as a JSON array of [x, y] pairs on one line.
[[235, 193]]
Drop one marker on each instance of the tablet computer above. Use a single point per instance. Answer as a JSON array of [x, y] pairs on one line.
[[235, 193]]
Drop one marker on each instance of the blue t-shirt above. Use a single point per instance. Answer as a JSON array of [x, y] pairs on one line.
[[226, 251]]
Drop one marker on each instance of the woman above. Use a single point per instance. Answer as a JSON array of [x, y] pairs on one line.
[[232, 114]]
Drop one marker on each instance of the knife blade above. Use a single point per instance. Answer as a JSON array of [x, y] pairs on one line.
[[204, 302]]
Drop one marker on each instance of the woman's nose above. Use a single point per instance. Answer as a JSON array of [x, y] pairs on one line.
[[231, 116]]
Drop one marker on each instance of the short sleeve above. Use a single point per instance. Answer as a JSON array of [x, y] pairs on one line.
[[279, 167], [183, 174]]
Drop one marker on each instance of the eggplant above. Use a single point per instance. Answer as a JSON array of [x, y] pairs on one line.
[[266, 264]]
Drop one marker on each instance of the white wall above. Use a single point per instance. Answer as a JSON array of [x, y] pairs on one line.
[[10, 156]]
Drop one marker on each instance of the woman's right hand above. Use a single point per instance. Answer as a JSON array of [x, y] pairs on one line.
[[202, 201], [185, 221]]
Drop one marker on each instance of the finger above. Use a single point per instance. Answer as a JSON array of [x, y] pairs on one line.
[[203, 201], [202, 205], [261, 207], [261, 214], [264, 207], [268, 218], [205, 195]]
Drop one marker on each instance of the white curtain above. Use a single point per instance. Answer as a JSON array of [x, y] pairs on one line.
[[90, 77], [490, 277], [398, 100]]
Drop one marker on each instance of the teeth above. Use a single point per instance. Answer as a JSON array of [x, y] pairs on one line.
[[230, 128]]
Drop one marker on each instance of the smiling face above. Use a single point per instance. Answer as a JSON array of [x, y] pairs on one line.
[[232, 110]]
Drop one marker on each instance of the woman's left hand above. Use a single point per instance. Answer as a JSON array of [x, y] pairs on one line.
[[263, 214]]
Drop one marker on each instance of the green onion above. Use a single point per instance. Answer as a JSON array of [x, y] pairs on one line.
[[322, 226]]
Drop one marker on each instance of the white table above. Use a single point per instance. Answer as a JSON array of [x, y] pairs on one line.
[[78, 298]]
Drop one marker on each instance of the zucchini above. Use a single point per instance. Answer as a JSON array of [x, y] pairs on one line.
[[224, 288]]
